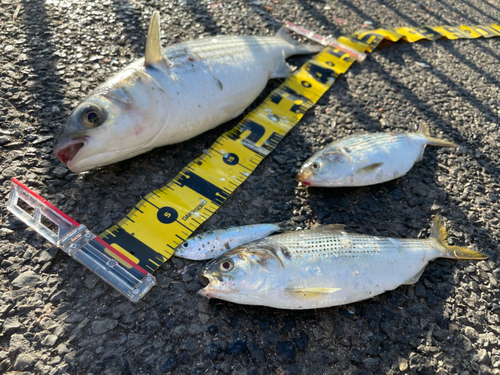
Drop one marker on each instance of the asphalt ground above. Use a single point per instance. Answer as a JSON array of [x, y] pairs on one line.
[[58, 318]]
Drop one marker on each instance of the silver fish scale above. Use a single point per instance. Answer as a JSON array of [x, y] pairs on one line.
[[224, 46], [341, 244], [369, 142]]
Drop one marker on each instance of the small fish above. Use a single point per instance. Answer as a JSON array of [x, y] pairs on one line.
[[322, 267], [367, 159], [214, 243], [172, 95]]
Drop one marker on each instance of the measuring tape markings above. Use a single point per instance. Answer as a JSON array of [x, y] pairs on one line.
[[369, 40], [165, 218]]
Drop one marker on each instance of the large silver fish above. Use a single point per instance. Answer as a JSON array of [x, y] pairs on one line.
[[367, 159], [213, 243], [172, 95], [323, 267]]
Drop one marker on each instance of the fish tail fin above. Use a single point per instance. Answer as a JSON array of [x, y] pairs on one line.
[[300, 48], [424, 130], [438, 233]]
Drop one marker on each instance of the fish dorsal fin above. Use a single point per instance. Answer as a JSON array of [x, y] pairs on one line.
[[307, 293], [328, 227], [423, 129], [153, 48], [369, 168]]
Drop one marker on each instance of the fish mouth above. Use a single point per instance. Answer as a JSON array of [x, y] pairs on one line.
[[303, 177], [213, 284], [68, 151], [203, 279]]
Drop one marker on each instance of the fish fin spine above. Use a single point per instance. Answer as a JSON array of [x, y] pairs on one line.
[[153, 54], [424, 130], [438, 233]]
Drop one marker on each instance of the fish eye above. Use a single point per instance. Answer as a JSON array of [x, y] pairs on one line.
[[226, 265], [315, 166], [185, 245], [92, 116]]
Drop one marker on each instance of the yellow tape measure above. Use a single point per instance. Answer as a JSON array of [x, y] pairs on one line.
[[165, 218]]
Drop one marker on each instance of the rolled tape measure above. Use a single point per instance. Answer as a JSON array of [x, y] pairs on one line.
[[165, 218]]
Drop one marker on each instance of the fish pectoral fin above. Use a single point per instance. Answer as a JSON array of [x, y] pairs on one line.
[[283, 70], [153, 54], [328, 227], [311, 292], [233, 109], [369, 168]]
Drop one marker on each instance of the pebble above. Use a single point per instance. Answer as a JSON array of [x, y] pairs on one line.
[[403, 365], [11, 324], [28, 278], [420, 291], [17, 343], [59, 172], [49, 340], [286, 351], [101, 326], [237, 346], [422, 64], [355, 355], [371, 362], [396, 194], [302, 341], [4, 232], [134, 340], [24, 362], [168, 363]]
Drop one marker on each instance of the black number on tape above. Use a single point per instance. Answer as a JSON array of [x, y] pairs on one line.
[[301, 103], [428, 32], [231, 159], [305, 84], [485, 31], [203, 187], [320, 74], [291, 94], [458, 33], [167, 215], [256, 131], [373, 40], [341, 54]]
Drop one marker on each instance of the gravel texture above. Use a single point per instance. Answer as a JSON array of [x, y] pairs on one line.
[[56, 317]]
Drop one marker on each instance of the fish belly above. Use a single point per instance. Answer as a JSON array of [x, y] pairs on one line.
[[215, 87], [397, 157], [359, 267]]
